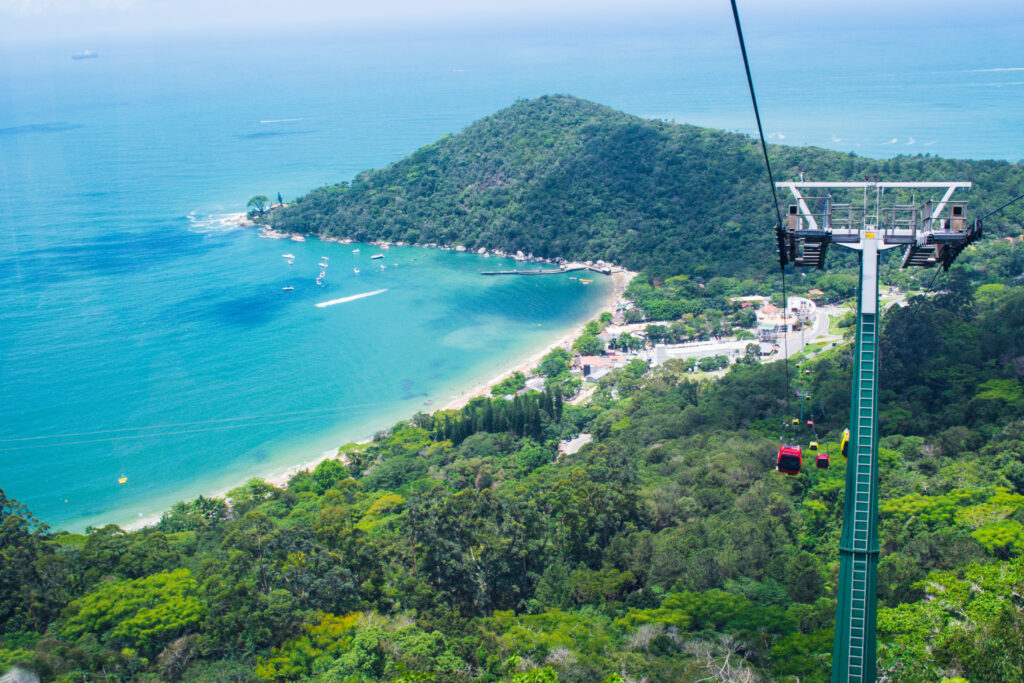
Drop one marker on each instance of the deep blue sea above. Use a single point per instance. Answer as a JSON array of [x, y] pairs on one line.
[[142, 337]]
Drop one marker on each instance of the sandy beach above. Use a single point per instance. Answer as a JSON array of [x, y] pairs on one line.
[[279, 477], [620, 280]]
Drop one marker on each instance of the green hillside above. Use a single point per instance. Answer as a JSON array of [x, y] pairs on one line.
[[560, 176], [463, 547], [457, 547]]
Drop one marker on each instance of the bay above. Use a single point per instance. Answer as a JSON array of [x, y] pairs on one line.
[[142, 336]]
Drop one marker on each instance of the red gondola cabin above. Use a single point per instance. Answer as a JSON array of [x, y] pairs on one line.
[[789, 460], [822, 461]]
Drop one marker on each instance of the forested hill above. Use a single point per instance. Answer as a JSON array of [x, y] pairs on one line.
[[560, 176]]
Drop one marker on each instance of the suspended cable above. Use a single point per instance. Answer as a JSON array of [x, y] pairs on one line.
[[775, 197], [1020, 196], [757, 114]]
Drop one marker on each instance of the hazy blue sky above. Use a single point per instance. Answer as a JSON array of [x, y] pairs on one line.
[[84, 22]]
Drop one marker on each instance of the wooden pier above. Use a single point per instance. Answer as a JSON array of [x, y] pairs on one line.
[[550, 271], [554, 271]]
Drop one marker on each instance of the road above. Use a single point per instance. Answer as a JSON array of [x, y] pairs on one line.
[[796, 341]]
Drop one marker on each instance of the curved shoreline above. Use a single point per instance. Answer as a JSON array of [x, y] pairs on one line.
[[279, 476], [621, 280]]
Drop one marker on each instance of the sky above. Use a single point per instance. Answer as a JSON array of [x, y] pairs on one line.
[[82, 22]]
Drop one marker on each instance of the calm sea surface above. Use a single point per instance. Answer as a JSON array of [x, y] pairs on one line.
[[142, 337]]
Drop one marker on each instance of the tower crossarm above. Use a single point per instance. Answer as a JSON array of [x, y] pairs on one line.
[[932, 233]]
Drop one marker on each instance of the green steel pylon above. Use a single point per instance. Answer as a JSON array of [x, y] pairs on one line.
[[853, 650], [932, 234]]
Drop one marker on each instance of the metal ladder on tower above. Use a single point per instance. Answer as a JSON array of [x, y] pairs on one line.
[[932, 234], [864, 477]]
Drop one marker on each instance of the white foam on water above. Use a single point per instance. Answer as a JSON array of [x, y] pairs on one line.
[[345, 299], [215, 223]]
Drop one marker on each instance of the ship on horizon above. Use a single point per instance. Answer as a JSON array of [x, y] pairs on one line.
[[85, 54]]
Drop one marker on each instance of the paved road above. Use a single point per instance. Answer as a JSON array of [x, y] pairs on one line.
[[817, 332]]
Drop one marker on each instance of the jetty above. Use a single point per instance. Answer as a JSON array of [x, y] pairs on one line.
[[550, 271], [564, 268]]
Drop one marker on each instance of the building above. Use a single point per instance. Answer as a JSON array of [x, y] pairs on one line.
[[590, 364], [773, 322], [697, 350]]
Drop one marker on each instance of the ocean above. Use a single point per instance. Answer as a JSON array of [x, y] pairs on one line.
[[143, 336]]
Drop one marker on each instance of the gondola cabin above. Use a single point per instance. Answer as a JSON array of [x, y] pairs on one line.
[[810, 423], [822, 461], [796, 422], [789, 460], [845, 443], [813, 447]]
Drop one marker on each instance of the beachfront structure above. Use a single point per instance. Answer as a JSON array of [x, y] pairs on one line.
[[773, 323], [698, 350]]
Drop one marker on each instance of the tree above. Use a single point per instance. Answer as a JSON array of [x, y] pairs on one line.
[[588, 344], [752, 355], [143, 613], [555, 362], [258, 205], [657, 333]]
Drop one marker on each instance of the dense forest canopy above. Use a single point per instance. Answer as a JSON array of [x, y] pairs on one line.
[[558, 176], [460, 546], [465, 546]]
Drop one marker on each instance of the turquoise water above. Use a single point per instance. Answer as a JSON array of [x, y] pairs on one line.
[[189, 370], [140, 336]]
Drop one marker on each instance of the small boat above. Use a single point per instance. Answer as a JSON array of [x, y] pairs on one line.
[[321, 275], [383, 267], [586, 282], [122, 479], [319, 282], [356, 271], [288, 256], [287, 289], [355, 251], [322, 264], [573, 278], [427, 402], [377, 256], [84, 54], [323, 258]]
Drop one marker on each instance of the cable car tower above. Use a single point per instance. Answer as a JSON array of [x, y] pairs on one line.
[[932, 233]]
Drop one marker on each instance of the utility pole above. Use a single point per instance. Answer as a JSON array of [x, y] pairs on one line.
[[931, 234]]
